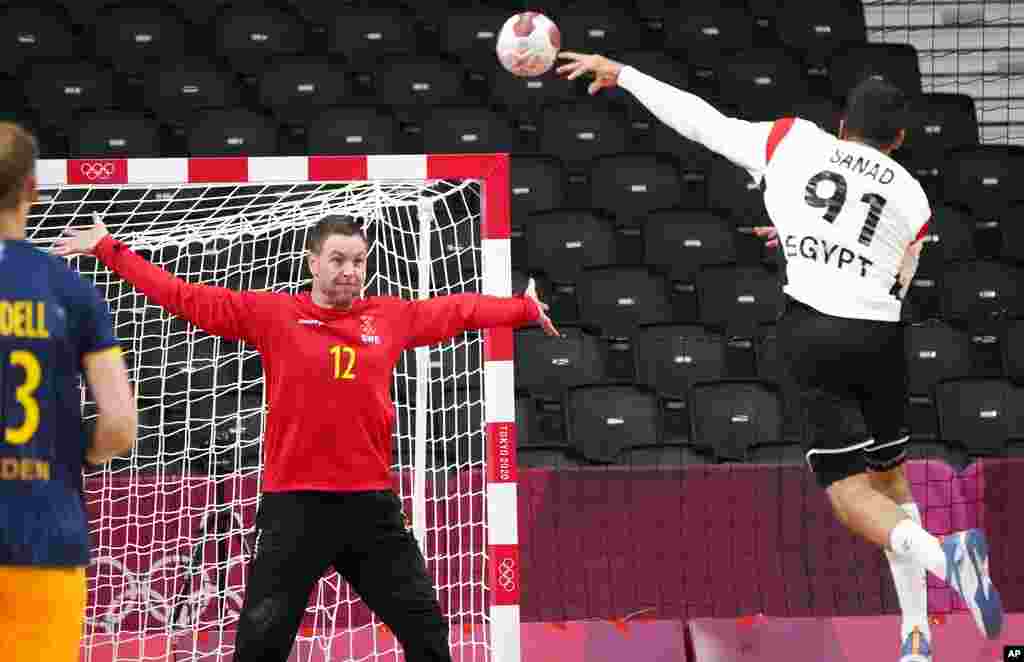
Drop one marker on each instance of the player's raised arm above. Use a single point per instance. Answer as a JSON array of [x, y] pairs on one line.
[[435, 320], [742, 142], [217, 310]]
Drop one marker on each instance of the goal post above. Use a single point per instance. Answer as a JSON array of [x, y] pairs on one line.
[[438, 224]]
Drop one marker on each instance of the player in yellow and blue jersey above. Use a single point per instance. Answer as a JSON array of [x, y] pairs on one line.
[[54, 328]]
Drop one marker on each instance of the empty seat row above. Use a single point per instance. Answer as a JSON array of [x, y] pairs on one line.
[[671, 358], [246, 30], [742, 421], [754, 84]]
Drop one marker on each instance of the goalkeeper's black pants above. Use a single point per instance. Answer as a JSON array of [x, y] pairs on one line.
[[363, 536]]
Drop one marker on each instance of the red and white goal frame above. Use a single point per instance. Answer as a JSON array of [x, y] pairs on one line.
[[492, 172]]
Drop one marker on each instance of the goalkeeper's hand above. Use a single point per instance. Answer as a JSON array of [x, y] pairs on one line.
[[605, 71], [81, 241], [542, 308]]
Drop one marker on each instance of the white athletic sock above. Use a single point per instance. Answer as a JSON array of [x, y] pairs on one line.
[[908, 539], [911, 585]]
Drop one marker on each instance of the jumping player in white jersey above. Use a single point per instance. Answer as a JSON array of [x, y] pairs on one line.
[[851, 223]]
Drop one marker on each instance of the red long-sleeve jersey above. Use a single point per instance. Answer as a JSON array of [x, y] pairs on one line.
[[328, 372]]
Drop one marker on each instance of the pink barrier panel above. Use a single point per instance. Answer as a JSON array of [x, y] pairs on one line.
[[670, 543], [650, 641], [849, 639]]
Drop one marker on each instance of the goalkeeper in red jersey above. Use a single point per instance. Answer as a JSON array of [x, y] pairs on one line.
[[328, 357]]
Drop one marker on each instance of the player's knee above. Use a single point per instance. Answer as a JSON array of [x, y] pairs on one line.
[[846, 493], [892, 483]]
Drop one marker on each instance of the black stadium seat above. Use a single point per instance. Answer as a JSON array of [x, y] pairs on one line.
[[135, 38], [58, 88], [605, 420], [562, 242], [249, 35], [738, 298], [985, 178], [1013, 348], [351, 131], [729, 417], [980, 290], [188, 85], [597, 27], [472, 34], [619, 299], [897, 63], [773, 368], [32, 33], [1013, 235], [935, 352], [521, 96], [417, 81], [980, 414], [681, 241], [578, 133], [953, 228], [232, 132], [704, 30], [671, 358], [630, 186], [363, 35], [110, 134], [549, 366], [760, 82], [941, 121], [466, 129], [537, 185], [733, 191], [817, 29], [298, 88]]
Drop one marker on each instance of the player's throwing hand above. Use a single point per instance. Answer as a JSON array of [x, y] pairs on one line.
[[81, 241], [604, 71], [543, 320]]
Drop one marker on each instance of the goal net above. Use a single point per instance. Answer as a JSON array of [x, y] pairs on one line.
[[172, 526]]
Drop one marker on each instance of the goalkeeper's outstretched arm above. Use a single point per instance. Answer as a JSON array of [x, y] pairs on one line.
[[435, 320], [217, 310], [742, 142]]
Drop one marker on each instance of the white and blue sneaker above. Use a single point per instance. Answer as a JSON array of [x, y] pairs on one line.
[[967, 572], [916, 647]]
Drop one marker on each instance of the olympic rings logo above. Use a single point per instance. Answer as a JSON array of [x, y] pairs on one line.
[[94, 170], [507, 574]]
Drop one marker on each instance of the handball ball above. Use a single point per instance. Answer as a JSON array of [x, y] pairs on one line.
[[528, 44]]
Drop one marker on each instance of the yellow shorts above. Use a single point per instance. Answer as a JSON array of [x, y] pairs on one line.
[[41, 613]]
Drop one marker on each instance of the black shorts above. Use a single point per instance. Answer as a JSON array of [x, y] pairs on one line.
[[362, 535], [853, 380]]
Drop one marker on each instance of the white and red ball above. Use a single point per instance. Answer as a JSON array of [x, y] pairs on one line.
[[528, 44]]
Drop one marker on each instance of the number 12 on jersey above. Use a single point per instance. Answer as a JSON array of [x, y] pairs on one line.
[[344, 361], [834, 204]]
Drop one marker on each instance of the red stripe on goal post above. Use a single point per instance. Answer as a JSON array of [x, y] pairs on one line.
[[338, 168], [228, 169], [493, 170], [499, 344]]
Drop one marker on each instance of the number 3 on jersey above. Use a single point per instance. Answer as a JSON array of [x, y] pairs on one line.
[[24, 395], [834, 204], [344, 361]]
